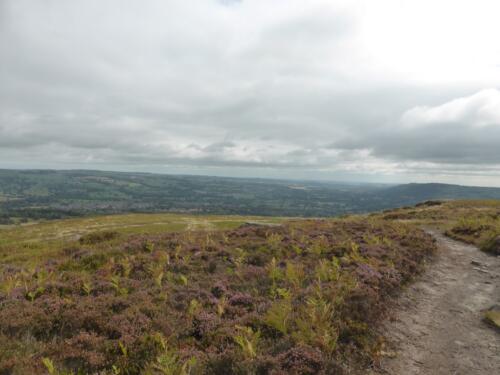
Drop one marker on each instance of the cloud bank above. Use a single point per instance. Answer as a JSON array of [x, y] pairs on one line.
[[317, 89]]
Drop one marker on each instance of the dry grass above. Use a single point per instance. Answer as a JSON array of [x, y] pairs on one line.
[[36, 242]]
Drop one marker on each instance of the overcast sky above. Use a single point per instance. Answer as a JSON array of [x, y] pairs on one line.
[[386, 90]]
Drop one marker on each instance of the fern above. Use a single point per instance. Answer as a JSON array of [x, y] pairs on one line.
[[221, 306], [9, 284], [87, 287], [183, 280], [297, 250], [355, 255], [126, 266], [115, 283], [43, 276], [274, 240], [156, 272], [248, 341], [194, 308], [149, 246], [372, 239], [274, 271], [52, 370], [34, 294], [315, 326], [327, 271], [294, 274], [168, 362], [239, 260], [319, 245], [177, 252], [283, 293], [278, 315], [49, 365]]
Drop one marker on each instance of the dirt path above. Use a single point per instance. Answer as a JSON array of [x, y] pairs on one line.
[[437, 327]]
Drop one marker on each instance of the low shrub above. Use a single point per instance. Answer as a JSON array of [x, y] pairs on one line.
[[301, 298], [97, 237]]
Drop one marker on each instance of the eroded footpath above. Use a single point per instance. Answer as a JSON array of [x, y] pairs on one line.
[[437, 327]]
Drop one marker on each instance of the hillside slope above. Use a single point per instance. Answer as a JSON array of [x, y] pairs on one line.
[[159, 294], [414, 193], [303, 297], [58, 194]]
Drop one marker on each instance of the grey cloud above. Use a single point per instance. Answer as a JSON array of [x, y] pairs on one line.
[[463, 130], [225, 84]]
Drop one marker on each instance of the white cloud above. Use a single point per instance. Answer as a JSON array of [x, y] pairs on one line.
[[478, 110]]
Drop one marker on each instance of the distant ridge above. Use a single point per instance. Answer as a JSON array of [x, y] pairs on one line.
[[49, 194], [425, 191]]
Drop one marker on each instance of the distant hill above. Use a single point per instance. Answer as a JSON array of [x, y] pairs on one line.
[[48, 194], [420, 192]]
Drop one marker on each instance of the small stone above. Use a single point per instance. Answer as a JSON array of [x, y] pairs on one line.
[[480, 270]]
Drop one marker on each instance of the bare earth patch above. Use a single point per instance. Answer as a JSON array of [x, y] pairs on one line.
[[438, 325]]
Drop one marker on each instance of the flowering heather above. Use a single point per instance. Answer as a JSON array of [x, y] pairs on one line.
[[304, 297]]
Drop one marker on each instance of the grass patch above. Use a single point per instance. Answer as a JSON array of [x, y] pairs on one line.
[[36, 242]]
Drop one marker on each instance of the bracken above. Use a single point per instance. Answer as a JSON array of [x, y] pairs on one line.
[[306, 296]]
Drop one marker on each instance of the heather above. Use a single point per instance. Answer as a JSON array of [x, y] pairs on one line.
[[474, 221], [304, 297]]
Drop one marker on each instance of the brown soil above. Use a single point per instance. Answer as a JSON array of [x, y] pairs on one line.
[[438, 327]]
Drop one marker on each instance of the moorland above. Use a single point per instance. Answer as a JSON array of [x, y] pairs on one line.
[[183, 294]]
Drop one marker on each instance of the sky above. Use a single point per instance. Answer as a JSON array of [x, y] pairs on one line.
[[376, 91]]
